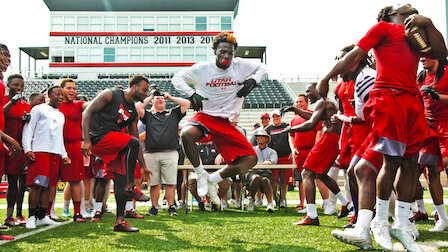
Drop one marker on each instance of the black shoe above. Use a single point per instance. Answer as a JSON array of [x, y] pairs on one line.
[[172, 211], [214, 207], [201, 206], [124, 227], [153, 211]]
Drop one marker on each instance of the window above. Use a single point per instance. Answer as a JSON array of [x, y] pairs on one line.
[[109, 24], [226, 23], [96, 24], [82, 55], [95, 55], [174, 23], [201, 54], [56, 55], [56, 23], [122, 24], [109, 54], [136, 54], [162, 54], [162, 23], [214, 24], [83, 24], [69, 24], [136, 24], [175, 54], [148, 24], [148, 54], [201, 23], [69, 55], [188, 24], [122, 54], [188, 55]]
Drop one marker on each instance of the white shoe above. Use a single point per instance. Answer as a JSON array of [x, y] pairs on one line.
[[238, 203], [212, 192], [53, 215], [382, 234], [330, 210], [441, 225], [46, 221], [225, 204], [85, 214], [270, 208], [404, 237], [258, 202], [282, 204], [251, 205], [181, 205], [358, 236], [302, 211], [31, 222], [202, 183]]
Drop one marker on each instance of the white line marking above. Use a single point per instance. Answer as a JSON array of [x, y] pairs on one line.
[[426, 246], [20, 236]]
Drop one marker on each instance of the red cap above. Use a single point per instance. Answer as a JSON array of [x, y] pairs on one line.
[[265, 115]]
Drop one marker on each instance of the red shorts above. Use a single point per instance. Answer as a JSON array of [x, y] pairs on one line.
[[301, 156], [88, 167], [100, 169], [44, 171], [399, 127], [430, 155], [359, 132], [109, 147], [228, 140], [372, 158], [75, 171], [323, 154], [344, 146], [441, 129], [137, 173], [14, 166], [2, 158], [289, 173]]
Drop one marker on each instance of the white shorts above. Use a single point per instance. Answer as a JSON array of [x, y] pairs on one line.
[[163, 166]]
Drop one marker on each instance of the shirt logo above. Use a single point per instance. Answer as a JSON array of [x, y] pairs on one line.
[[124, 115], [221, 83]]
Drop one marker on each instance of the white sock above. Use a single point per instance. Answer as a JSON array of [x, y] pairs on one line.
[[129, 205], [326, 202], [215, 177], [402, 212], [342, 198], [441, 210], [199, 169], [364, 217], [382, 209], [421, 206], [311, 210], [98, 206], [66, 204]]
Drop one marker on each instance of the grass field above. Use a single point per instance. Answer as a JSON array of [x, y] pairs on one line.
[[231, 230]]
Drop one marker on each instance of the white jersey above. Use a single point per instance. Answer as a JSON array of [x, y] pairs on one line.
[[363, 85], [44, 133], [219, 86]]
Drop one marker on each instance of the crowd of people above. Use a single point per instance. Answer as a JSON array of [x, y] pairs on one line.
[[387, 126]]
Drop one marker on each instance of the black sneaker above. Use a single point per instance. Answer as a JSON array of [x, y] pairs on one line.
[[172, 211], [214, 207], [201, 206], [153, 211]]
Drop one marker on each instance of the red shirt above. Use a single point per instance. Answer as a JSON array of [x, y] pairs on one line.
[[397, 62], [436, 109], [2, 115], [13, 124], [73, 118], [346, 93], [304, 140]]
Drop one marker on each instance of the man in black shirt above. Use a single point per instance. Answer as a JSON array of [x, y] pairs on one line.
[[162, 141]]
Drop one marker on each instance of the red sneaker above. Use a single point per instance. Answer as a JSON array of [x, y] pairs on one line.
[[307, 221], [352, 222], [133, 214], [6, 237], [3, 226], [124, 227], [11, 222], [136, 194], [344, 211], [79, 218], [418, 216], [21, 220], [97, 216]]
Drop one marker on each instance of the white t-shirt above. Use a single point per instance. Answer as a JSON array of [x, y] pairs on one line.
[[219, 86], [44, 132], [363, 85]]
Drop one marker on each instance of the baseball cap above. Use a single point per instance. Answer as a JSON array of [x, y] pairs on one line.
[[276, 112], [265, 115]]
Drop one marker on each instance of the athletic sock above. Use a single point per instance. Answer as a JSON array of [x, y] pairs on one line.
[[215, 177], [98, 206], [311, 210], [402, 212], [9, 212], [76, 207], [32, 212], [129, 205], [199, 169], [66, 204], [421, 206], [355, 204], [326, 203], [50, 204], [441, 210], [364, 217], [382, 210], [41, 212], [342, 198]]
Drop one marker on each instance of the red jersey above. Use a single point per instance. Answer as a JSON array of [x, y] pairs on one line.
[[2, 115], [436, 109], [73, 118], [346, 93], [307, 139], [397, 62], [13, 125]]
